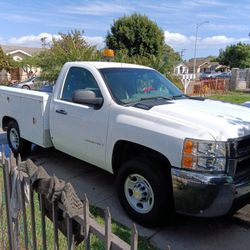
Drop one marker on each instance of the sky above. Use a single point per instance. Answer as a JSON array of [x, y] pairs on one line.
[[220, 22]]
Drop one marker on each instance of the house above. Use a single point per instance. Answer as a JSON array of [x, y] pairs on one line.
[[180, 68], [202, 65], [18, 53]]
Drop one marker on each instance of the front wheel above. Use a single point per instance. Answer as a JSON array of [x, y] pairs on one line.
[[16, 143], [144, 192]]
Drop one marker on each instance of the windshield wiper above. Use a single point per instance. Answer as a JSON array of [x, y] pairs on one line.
[[179, 96], [155, 98], [143, 99]]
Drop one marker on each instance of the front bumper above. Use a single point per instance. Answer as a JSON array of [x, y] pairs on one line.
[[206, 195]]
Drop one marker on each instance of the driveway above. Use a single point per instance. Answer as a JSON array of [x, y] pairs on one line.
[[185, 233]]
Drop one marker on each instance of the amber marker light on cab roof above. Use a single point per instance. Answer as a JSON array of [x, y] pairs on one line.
[[108, 54]]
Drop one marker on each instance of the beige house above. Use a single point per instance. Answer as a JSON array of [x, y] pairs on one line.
[[203, 65], [18, 53]]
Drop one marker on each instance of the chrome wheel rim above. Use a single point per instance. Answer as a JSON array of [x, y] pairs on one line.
[[139, 193], [14, 138]]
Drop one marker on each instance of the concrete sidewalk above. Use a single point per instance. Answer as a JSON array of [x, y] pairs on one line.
[[186, 233]]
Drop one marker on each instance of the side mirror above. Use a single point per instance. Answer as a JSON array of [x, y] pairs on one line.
[[87, 97]]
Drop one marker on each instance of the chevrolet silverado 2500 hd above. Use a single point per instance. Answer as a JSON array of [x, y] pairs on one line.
[[169, 152]]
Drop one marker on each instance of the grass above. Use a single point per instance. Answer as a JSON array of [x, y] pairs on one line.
[[233, 97], [120, 230]]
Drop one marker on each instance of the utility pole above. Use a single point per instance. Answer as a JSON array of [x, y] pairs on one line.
[[182, 53], [195, 43]]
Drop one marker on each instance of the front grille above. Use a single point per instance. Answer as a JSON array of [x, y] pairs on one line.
[[240, 151], [243, 147], [242, 168]]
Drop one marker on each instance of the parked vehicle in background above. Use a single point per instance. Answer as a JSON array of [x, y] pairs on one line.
[[224, 75], [213, 75], [48, 87], [208, 75], [169, 152], [246, 104], [32, 83]]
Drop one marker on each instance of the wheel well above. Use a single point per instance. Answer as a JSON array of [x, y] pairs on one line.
[[125, 150], [5, 121]]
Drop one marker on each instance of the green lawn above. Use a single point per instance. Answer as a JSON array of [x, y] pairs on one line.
[[233, 97]]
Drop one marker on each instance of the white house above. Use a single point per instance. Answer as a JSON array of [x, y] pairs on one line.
[[180, 69]]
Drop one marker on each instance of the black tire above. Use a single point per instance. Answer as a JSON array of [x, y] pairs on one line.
[[25, 87], [145, 177], [17, 144]]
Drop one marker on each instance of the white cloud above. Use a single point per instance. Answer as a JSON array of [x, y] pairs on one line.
[[32, 40], [177, 39], [217, 40], [97, 41], [205, 46], [97, 9], [222, 40], [35, 40]]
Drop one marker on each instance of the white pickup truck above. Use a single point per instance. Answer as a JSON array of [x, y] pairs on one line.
[[169, 152]]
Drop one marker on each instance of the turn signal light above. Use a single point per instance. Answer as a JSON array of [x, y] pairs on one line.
[[188, 147], [187, 162]]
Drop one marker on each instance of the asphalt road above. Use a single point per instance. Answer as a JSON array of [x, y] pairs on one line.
[[184, 233]]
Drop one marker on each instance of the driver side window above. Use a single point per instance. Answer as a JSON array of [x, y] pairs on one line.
[[79, 78]]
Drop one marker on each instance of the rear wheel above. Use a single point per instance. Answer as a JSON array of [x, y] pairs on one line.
[[144, 192], [16, 143], [25, 87]]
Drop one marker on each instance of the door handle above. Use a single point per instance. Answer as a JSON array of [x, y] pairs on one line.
[[61, 111]]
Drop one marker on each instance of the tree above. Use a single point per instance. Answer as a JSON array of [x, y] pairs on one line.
[[70, 47], [136, 39], [137, 34], [6, 62], [235, 56]]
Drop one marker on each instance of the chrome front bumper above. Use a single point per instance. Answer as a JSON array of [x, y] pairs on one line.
[[206, 195]]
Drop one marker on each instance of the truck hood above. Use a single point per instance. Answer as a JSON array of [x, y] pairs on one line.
[[221, 120]]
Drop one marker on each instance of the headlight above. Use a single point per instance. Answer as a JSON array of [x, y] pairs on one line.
[[204, 155]]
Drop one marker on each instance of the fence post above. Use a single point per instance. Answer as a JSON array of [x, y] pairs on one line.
[[33, 219], [6, 168], [3, 154], [1, 201], [55, 224], [107, 229], [18, 160], [70, 235], [43, 221], [15, 220], [86, 222], [134, 238], [23, 207]]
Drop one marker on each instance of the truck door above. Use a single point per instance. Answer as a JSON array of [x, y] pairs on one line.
[[78, 129]]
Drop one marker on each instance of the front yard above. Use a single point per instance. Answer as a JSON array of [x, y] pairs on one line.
[[233, 97]]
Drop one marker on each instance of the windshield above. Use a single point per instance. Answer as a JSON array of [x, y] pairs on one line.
[[129, 85]]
